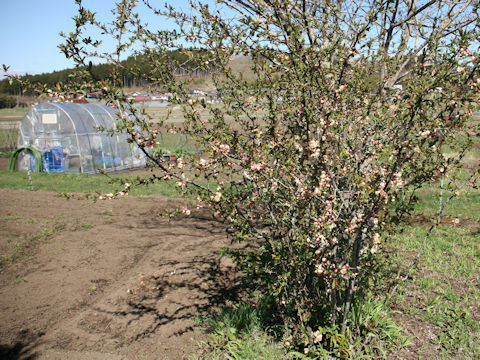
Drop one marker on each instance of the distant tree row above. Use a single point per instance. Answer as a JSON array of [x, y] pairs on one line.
[[133, 72]]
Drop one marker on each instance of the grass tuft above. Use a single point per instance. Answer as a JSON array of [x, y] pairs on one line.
[[239, 332]]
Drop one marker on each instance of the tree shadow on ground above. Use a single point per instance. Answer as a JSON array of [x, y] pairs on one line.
[[194, 288], [22, 348], [183, 289]]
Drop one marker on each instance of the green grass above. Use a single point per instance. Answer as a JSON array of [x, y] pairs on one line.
[[452, 252], [12, 116], [238, 332], [14, 112], [244, 331], [465, 206], [444, 295], [82, 183], [176, 144]]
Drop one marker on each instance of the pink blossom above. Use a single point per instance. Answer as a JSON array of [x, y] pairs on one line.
[[180, 163], [319, 269], [256, 166], [150, 144], [224, 148], [217, 197], [317, 336]]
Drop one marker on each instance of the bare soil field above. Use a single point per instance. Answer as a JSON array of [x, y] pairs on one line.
[[106, 280]]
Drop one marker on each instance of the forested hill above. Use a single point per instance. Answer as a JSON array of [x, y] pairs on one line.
[[130, 76]]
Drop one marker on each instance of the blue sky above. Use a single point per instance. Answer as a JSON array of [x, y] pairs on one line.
[[30, 31]]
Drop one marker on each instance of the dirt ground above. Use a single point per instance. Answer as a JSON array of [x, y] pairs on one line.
[[106, 280], [3, 163]]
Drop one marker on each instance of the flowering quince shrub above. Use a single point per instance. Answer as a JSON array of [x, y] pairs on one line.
[[318, 154]]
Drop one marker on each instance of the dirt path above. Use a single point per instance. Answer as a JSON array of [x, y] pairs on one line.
[[105, 280]]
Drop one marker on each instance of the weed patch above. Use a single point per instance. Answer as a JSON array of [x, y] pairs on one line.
[[25, 246]]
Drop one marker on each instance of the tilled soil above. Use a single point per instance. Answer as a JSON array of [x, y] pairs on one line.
[[108, 279]]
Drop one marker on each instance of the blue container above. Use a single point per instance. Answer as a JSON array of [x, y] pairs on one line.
[[118, 161], [54, 160]]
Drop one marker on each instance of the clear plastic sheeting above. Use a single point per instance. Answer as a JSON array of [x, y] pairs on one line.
[[68, 138]]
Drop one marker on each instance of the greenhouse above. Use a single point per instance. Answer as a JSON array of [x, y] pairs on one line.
[[65, 138]]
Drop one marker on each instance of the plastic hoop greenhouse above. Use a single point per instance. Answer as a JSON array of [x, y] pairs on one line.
[[66, 136]]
